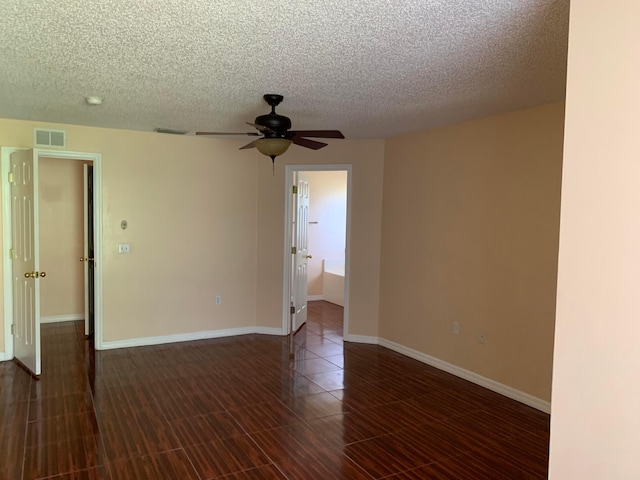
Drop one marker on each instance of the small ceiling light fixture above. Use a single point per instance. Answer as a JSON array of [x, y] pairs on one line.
[[93, 100]]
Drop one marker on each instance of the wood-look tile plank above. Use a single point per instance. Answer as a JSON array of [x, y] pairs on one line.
[[322, 465], [290, 387], [12, 444], [232, 455], [386, 455], [172, 465], [131, 435], [432, 471], [98, 473], [60, 405], [318, 405], [52, 429], [264, 416], [65, 456], [269, 472], [348, 428], [205, 428], [285, 443]]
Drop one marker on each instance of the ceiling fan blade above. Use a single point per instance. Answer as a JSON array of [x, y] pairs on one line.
[[305, 142], [249, 145], [317, 133], [253, 134], [262, 128]]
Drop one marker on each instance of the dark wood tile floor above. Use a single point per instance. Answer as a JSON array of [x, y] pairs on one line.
[[236, 408]]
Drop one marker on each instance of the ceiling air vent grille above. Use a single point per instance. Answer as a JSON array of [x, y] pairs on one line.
[[50, 138]]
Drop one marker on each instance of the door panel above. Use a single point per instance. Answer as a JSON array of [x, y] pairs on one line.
[[89, 262], [301, 245], [25, 262]]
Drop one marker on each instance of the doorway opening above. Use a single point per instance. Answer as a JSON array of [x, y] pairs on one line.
[[63, 198], [316, 256]]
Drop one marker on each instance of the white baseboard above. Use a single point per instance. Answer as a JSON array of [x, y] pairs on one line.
[[4, 357], [362, 339], [188, 337], [473, 377], [268, 331], [62, 318], [314, 298]]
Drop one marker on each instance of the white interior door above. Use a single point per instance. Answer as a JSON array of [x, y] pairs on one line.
[[25, 265], [301, 245]]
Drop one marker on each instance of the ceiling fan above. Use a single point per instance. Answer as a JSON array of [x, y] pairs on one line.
[[275, 133]]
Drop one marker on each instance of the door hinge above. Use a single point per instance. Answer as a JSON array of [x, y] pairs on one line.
[[10, 177], [294, 250], [292, 310], [13, 329], [11, 253], [295, 189]]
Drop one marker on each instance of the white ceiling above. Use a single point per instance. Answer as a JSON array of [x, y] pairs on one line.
[[371, 68]]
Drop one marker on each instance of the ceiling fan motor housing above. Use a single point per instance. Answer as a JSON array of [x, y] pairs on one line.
[[279, 124]]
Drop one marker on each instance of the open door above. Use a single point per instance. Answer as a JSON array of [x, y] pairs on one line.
[[88, 253], [301, 249], [25, 259]]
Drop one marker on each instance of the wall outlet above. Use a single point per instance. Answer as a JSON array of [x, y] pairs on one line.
[[218, 300], [124, 248], [455, 328], [482, 337]]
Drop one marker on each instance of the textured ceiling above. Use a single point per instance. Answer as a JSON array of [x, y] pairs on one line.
[[371, 68]]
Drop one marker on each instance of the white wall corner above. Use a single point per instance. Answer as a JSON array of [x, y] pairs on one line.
[[473, 377]]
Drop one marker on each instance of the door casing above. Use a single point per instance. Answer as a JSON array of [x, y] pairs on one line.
[[96, 158], [288, 222]]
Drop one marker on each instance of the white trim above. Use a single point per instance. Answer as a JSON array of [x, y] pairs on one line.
[[73, 317], [315, 298], [288, 206], [362, 339], [4, 357], [189, 337], [473, 377], [268, 331]]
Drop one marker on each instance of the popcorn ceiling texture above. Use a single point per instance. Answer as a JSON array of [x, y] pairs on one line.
[[371, 68]]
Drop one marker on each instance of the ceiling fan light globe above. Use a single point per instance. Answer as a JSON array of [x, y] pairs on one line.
[[272, 147]]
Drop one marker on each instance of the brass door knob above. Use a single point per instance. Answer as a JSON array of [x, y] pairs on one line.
[[82, 259], [308, 256], [35, 274]]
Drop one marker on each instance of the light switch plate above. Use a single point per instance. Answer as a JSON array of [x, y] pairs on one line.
[[124, 248]]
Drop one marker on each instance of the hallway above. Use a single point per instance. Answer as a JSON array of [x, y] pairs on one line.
[[237, 408]]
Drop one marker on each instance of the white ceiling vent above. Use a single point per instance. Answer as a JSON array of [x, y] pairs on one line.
[[50, 138]]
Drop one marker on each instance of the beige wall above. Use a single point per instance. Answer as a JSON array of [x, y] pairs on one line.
[[191, 207], [470, 234], [61, 202], [367, 158], [328, 207], [206, 219], [595, 420]]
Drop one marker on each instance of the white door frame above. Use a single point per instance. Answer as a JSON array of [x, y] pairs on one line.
[[96, 158], [289, 170]]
